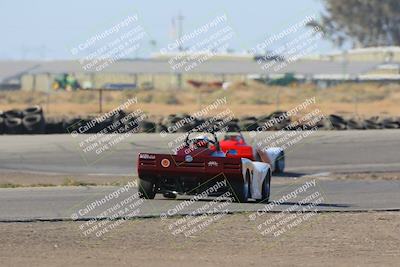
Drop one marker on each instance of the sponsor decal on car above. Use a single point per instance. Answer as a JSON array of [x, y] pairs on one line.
[[188, 158], [212, 164], [147, 156], [165, 163]]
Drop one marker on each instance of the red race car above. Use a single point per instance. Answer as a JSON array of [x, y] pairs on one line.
[[235, 146], [201, 161]]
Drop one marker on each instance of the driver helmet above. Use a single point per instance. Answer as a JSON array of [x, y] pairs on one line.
[[234, 138], [201, 141]]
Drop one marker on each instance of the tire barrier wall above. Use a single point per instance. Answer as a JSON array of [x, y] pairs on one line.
[[32, 121]]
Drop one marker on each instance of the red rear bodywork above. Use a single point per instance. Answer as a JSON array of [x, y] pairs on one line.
[[198, 165], [236, 147]]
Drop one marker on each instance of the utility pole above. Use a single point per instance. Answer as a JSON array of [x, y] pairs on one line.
[[180, 18], [180, 47]]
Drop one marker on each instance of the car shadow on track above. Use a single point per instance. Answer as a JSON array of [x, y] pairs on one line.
[[289, 174]]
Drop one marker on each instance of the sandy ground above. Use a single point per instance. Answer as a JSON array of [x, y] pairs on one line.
[[251, 99], [329, 239], [26, 179], [362, 176]]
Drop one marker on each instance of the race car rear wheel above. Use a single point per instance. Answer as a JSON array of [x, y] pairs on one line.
[[170, 195], [241, 189], [280, 163], [147, 188], [266, 188]]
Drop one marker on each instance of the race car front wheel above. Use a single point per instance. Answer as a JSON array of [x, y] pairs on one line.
[[147, 188]]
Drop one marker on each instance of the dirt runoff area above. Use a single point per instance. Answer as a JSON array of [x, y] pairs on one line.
[[327, 239]]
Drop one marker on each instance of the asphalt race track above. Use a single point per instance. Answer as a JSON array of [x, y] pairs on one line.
[[26, 204], [323, 151], [310, 159]]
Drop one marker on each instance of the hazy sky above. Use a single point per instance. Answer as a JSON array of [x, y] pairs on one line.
[[47, 29]]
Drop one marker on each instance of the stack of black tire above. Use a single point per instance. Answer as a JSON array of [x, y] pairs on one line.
[[336, 122], [27, 121], [248, 123], [178, 123], [32, 121], [108, 125], [279, 118], [2, 122]]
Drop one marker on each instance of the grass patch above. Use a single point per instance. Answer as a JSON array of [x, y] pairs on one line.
[[116, 183], [67, 182], [73, 182], [11, 185]]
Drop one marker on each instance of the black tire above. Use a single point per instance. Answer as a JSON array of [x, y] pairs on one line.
[[72, 125], [249, 118], [388, 124], [248, 125], [32, 110], [160, 128], [232, 127], [277, 114], [147, 188], [338, 126], [327, 124], [13, 126], [170, 195], [266, 188], [354, 124], [105, 124], [13, 113], [129, 123], [54, 126], [282, 122], [241, 190], [264, 118], [34, 124], [1, 125], [147, 126], [336, 119], [280, 163], [371, 124], [117, 119], [186, 128]]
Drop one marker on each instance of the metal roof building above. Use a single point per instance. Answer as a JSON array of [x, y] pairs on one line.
[[37, 75]]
